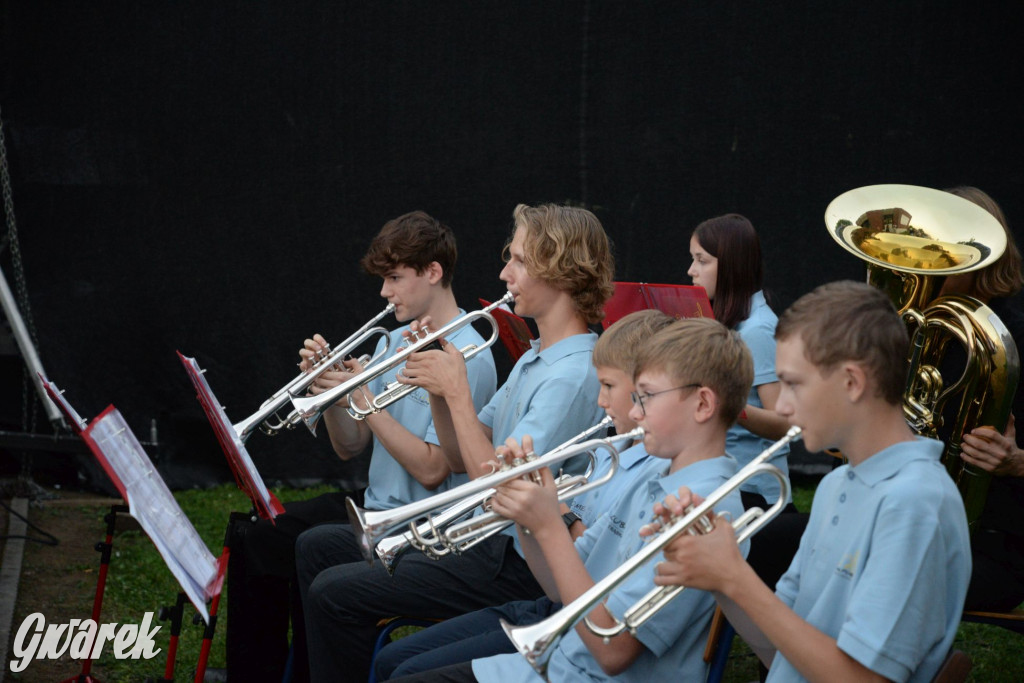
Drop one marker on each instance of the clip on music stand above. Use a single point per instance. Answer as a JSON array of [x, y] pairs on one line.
[[678, 301], [199, 573], [248, 479]]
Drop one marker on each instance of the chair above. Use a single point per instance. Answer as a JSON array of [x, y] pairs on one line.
[[1012, 620], [386, 626], [716, 651], [954, 669]]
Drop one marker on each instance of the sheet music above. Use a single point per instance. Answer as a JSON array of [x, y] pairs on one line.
[[151, 503], [246, 474], [57, 397]]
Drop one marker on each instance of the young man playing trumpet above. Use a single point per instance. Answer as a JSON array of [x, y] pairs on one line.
[[876, 589], [415, 257], [479, 634], [560, 270], [692, 379]]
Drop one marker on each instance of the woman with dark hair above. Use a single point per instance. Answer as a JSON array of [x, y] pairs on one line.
[[726, 255], [997, 544]]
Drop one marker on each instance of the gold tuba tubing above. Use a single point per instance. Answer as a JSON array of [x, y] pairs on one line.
[[911, 238], [310, 409], [537, 642]]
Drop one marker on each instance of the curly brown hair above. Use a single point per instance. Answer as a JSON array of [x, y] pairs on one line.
[[414, 240]]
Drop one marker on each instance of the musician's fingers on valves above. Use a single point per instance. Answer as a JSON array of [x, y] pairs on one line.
[[438, 373], [312, 350], [694, 559], [530, 502]]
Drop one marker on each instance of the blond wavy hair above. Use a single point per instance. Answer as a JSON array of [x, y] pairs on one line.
[[567, 247]]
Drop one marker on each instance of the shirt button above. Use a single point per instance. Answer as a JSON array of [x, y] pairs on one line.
[[842, 498], [641, 515], [849, 475], [835, 520]]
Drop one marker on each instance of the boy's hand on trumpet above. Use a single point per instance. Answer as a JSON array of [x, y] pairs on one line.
[[531, 500], [313, 351], [442, 371], [709, 561]]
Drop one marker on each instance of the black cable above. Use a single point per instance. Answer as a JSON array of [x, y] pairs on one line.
[[49, 540]]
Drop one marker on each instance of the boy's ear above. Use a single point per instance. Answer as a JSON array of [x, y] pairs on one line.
[[707, 405], [434, 272], [855, 381]]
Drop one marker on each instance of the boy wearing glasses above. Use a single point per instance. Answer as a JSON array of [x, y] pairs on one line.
[[692, 379]]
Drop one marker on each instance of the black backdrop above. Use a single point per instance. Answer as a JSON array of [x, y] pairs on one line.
[[203, 176]]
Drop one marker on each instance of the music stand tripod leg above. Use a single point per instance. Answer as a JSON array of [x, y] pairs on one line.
[[105, 549]]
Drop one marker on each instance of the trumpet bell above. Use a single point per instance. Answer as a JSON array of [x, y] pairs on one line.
[[912, 229]]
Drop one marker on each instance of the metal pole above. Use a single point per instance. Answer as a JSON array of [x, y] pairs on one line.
[[28, 351]]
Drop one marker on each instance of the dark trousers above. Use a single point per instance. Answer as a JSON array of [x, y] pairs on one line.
[[461, 639], [263, 596], [997, 571], [453, 673], [343, 603]]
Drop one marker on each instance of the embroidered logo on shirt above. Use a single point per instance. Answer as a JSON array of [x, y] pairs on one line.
[[848, 567], [616, 525]]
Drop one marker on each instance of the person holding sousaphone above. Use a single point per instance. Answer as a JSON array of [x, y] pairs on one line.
[[415, 256], [997, 578], [877, 587]]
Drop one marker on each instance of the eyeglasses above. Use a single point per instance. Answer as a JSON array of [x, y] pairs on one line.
[[638, 399]]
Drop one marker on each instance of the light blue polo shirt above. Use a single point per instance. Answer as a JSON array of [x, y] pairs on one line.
[[550, 395], [884, 563], [390, 485], [758, 333], [674, 638], [588, 507]]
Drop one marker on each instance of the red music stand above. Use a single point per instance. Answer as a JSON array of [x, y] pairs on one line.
[[679, 301], [513, 331], [199, 573], [247, 477], [104, 548]]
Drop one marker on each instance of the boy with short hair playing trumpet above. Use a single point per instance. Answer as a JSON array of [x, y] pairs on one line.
[[876, 590], [479, 634], [691, 381]]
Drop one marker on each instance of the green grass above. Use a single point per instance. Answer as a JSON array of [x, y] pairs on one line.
[[149, 584], [997, 654]]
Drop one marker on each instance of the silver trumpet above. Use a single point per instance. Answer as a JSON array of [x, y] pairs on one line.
[[311, 408], [267, 419], [371, 526], [430, 538], [537, 642]]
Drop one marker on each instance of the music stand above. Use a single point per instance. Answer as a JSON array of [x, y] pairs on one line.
[[679, 301], [150, 502], [106, 547], [247, 477]]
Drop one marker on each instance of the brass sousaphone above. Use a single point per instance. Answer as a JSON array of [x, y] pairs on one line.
[[912, 239]]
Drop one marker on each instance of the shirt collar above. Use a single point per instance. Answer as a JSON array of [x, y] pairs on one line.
[[723, 466], [633, 456], [887, 462], [564, 347]]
